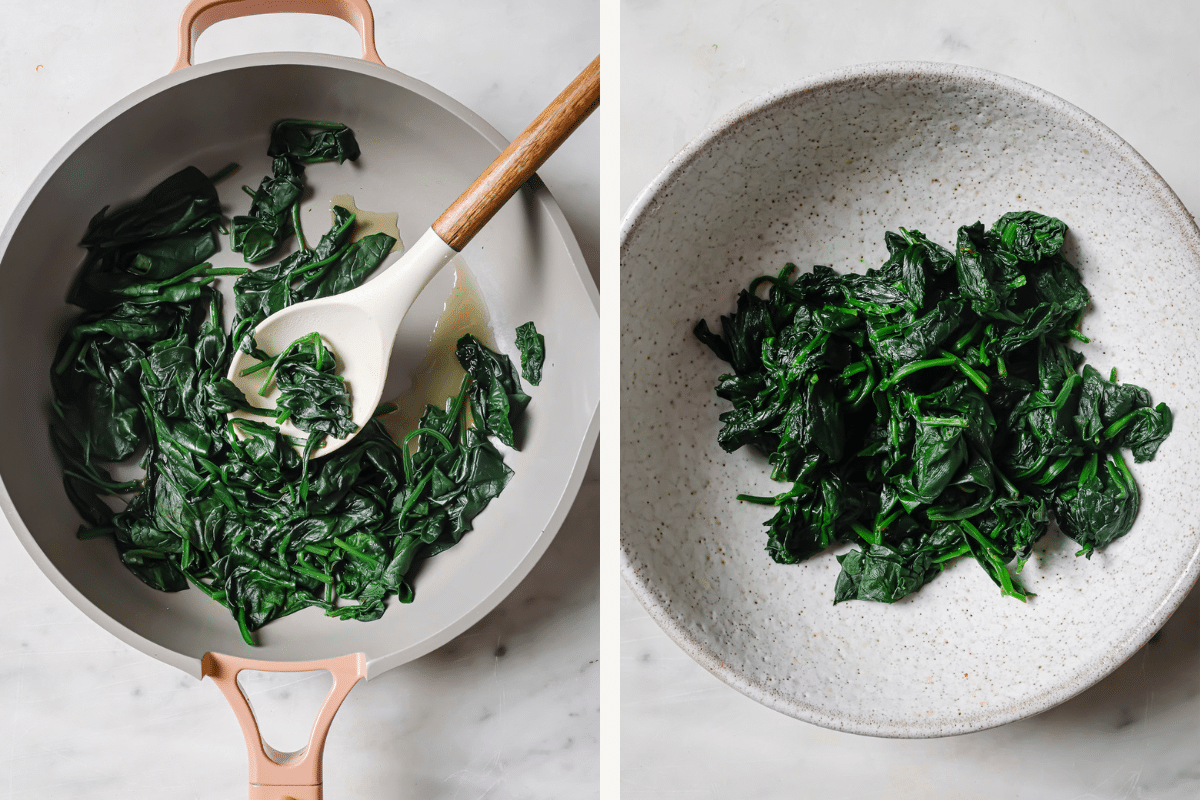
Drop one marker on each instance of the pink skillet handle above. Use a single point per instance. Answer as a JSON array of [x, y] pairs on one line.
[[275, 775], [198, 15]]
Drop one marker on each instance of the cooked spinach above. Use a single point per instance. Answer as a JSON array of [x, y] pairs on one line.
[[932, 408], [312, 396], [275, 207], [229, 506], [533, 352], [310, 141], [335, 265], [497, 399]]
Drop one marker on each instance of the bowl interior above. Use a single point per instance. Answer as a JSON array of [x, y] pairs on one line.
[[816, 175], [419, 150]]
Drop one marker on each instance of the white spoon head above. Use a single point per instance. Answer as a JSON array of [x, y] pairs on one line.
[[357, 343]]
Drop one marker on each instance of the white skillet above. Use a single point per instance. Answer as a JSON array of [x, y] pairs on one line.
[[419, 149]]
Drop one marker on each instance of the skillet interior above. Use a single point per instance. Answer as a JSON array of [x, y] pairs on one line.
[[420, 149]]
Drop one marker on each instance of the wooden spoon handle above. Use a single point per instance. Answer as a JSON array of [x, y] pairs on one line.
[[459, 223]]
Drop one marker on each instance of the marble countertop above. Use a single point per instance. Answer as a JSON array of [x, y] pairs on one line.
[[510, 708], [685, 734]]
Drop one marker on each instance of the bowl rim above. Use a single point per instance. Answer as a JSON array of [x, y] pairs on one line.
[[634, 571]]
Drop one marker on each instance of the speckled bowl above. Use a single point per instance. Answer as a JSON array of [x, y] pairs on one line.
[[815, 173]]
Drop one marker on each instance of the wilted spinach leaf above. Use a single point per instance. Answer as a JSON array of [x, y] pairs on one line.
[[274, 212], [497, 401], [312, 396], [532, 346]]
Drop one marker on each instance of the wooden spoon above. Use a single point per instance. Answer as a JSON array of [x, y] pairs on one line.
[[360, 325]]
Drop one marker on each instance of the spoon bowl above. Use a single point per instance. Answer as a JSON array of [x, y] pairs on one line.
[[344, 329], [359, 328]]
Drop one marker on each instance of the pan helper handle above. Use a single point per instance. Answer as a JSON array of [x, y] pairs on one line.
[[198, 15], [275, 775]]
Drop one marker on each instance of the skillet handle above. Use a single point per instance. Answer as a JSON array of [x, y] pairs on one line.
[[198, 15], [275, 775]]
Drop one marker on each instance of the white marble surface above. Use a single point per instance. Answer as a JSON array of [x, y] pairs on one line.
[[510, 708], [1134, 66]]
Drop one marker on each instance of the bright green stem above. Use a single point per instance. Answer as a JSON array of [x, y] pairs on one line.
[[1064, 394], [341, 251], [961, 550], [966, 338], [145, 553], [298, 228], [1006, 582], [916, 366], [885, 523], [1054, 470], [311, 337], [854, 369], [352, 550], [1089, 469], [976, 534], [412, 498], [241, 618], [459, 400], [966, 369], [68, 356], [305, 569], [224, 172], [1119, 425], [94, 533], [866, 533], [753, 498], [946, 422], [427, 432]]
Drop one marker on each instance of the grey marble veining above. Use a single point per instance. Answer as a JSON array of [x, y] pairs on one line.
[[509, 709], [1136, 734]]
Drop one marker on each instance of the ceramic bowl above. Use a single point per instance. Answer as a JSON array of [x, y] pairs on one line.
[[815, 174]]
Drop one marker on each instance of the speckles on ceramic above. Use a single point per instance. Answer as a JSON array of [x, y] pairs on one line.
[[815, 174]]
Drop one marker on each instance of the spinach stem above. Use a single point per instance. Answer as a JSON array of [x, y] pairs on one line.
[[298, 228], [245, 630], [966, 338], [412, 498], [430, 432], [352, 550], [1118, 426], [224, 172], [869, 536], [760, 500], [916, 366], [305, 569], [951, 422], [94, 533], [976, 534], [68, 356], [971, 374], [961, 550]]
